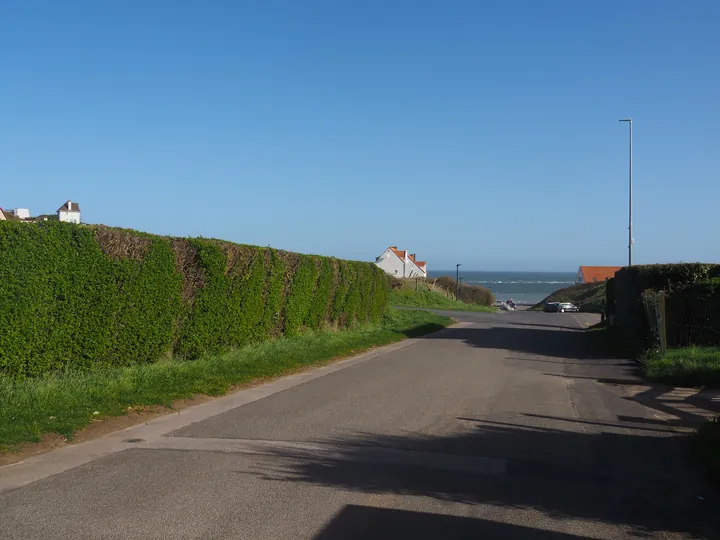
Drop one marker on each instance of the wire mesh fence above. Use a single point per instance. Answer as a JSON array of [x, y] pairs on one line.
[[682, 320]]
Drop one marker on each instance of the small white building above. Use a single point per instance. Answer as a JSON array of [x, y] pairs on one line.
[[69, 212], [401, 264], [21, 213]]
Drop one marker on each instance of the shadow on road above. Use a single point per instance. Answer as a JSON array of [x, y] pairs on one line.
[[635, 477], [557, 342], [583, 359], [356, 522], [636, 481]]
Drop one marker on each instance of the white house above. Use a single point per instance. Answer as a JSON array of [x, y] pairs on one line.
[[22, 213], [401, 264], [69, 212]]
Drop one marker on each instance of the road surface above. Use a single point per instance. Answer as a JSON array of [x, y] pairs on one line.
[[505, 426]]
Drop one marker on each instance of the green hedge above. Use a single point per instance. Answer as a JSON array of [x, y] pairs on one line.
[[610, 297], [79, 297]]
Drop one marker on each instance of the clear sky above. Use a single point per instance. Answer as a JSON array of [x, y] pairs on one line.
[[484, 133]]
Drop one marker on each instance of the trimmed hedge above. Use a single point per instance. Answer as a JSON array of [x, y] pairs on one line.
[[79, 297], [610, 297]]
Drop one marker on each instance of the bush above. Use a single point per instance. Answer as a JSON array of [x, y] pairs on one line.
[[90, 297], [470, 294]]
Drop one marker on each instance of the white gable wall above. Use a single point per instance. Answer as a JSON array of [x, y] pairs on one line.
[[391, 264], [413, 270]]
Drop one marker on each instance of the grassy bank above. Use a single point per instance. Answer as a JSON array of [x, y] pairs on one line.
[[66, 402], [431, 300], [689, 366], [587, 297]]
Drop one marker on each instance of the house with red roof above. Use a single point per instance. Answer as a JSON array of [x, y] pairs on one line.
[[401, 264], [594, 274]]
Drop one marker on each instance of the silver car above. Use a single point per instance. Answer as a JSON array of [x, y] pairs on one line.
[[567, 307]]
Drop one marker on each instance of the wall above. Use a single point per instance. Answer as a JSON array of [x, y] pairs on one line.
[[69, 217], [392, 264], [412, 270]]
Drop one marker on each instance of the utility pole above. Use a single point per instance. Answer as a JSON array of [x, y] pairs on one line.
[[630, 205]]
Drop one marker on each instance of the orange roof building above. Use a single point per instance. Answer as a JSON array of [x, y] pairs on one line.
[[594, 274]]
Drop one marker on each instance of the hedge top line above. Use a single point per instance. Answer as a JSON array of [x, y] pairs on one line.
[[139, 241]]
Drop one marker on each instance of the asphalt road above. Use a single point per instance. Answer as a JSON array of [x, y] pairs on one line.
[[506, 426]]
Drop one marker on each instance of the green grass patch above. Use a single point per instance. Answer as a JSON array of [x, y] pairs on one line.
[[432, 300], [687, 366], [66, 402]]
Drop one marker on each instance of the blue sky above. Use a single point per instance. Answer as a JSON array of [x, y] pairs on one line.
[[477, 132]]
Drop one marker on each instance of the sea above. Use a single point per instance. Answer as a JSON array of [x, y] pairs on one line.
[[520, 287]]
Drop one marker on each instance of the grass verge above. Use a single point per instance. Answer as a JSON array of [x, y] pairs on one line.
[[66, 402], [688, 366], [432, 300]]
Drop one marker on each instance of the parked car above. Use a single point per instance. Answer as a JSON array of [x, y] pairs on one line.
[[567, 307], [551, 307]]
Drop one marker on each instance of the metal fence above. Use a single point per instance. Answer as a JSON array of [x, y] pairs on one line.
[[682, 321]]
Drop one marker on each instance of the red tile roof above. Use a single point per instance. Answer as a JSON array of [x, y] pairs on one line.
[[403, 254], [598, 273]]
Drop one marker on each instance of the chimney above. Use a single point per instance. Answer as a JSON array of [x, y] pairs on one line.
[[69, 205], [393, 247], [412, 256]]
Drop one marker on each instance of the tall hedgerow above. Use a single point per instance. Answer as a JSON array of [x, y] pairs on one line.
[[79, 297]]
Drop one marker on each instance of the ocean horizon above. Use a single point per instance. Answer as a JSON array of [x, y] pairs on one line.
[[522, 287]]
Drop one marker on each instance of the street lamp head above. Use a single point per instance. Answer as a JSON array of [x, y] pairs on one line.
[[625, 120]]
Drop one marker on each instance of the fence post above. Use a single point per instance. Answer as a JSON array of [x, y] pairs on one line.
[[662, 322]]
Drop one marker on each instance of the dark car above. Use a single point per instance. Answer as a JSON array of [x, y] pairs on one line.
[[551, 307]]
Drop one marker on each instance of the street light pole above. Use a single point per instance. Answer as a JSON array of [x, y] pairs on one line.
[[630, 236], [457, 281], [460, 287]]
